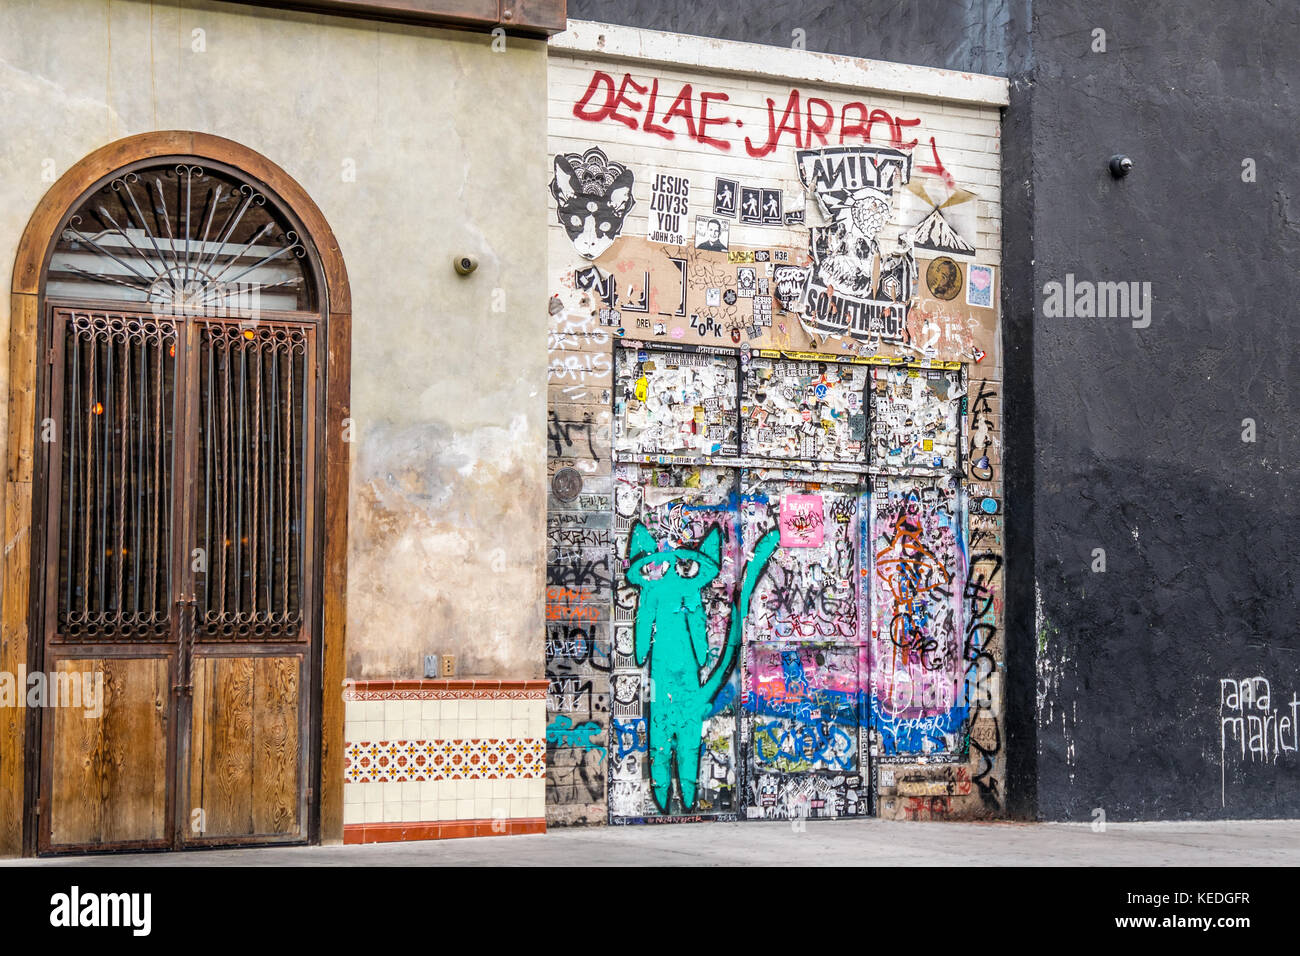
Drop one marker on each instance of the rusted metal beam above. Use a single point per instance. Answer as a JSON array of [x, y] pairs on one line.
[[540, 18]]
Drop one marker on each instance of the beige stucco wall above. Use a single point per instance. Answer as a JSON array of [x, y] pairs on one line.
[[448, 140]]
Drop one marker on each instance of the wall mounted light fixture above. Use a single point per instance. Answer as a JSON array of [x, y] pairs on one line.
[[1120, 165]]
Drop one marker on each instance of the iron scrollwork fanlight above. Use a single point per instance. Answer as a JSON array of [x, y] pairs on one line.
[[182, 239]]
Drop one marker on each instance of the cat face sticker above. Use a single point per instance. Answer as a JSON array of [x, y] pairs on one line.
[[592, 198]]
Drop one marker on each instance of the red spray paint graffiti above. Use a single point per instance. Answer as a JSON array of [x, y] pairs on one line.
[[638, 105]]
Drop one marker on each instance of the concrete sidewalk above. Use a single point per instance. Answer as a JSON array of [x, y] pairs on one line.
[[857, 842]]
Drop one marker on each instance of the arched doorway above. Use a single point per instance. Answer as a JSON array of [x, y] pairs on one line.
[[188, 397]]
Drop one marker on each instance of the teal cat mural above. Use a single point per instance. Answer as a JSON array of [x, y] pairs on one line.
[[671, 633]]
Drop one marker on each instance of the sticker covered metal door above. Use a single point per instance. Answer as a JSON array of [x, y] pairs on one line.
[[805, 662], [676, 642]]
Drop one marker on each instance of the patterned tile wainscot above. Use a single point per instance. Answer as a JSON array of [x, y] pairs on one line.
[[437, 759]]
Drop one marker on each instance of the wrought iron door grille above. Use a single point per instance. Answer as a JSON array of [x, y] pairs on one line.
[[115, 527], [253, 385]]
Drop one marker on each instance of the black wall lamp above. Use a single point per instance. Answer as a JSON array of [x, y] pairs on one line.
[[1120, 165]]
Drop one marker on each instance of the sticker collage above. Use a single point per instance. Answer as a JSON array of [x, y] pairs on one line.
[[788, 463]]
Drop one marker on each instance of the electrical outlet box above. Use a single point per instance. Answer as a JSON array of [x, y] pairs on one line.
[[439, 665]]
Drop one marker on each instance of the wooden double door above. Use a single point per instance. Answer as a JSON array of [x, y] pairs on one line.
[[177, 596]]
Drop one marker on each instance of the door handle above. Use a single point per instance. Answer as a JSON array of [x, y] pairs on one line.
[[186, 686]]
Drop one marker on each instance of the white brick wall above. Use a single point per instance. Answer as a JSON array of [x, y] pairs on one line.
[[960, 111], [966, 138]]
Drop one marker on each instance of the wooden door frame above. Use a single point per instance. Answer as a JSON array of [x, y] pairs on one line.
[[18, 762]]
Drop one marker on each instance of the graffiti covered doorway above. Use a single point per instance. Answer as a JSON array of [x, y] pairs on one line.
[[673, 712], [805, 663], [737, 682], [738, 662], [788, 561]]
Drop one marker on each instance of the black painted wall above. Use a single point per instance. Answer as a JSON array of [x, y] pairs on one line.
[[1121, 438], [1138, 432]]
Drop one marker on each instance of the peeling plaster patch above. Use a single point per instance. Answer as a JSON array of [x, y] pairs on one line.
[[493, 447], [22, 84], [1038, 618], [446, 550], [1052, 674], [414, 462]]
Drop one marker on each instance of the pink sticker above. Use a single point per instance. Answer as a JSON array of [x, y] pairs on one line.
[[801, 521]]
